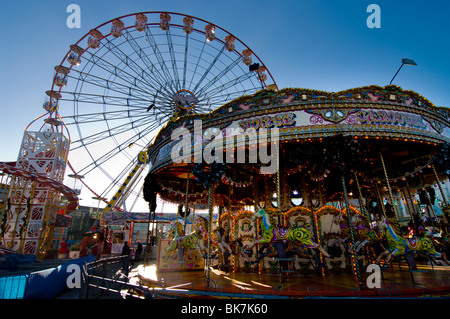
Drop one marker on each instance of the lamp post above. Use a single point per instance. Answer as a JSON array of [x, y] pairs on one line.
[[404, 61]]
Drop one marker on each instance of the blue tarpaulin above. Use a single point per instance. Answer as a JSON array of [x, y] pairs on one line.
[[11, 262], [47, 284]]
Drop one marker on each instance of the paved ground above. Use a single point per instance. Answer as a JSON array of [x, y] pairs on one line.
[[396, 282]]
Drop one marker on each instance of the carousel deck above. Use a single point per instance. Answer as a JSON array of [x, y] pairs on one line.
[[397, 282]]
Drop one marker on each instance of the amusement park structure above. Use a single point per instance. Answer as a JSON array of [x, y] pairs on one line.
[[341, 163]]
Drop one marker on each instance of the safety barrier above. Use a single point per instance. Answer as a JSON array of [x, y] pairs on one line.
[[108, 279]]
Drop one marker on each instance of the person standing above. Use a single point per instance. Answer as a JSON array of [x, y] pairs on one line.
[[126, 250], [63, 250], [138, 250]]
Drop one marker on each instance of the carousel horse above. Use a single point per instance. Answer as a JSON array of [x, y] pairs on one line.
[[202, 225], [364, 235], [399, 246], [266, 250], [295, 248], [222, 241], [235, 247], [271, 234], [180, 241]]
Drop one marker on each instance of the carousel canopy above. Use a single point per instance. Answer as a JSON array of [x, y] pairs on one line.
[[320, 134]]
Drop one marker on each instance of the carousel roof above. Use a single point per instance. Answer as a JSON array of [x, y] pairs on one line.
[[403, 126]]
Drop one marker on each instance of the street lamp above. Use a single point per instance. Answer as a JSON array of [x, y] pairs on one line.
[[404, 61]]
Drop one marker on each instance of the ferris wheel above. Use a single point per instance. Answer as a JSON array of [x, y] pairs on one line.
[[125, 79]]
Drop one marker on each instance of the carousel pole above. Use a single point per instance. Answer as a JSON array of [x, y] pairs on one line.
[[360, 199], [193, 218], [278, 187], [230, 231], [352, 231], [446, 207], [391, 197], [208, 260], [186, 200], [315, 225], [380, 201], [413, 211], [430, 207], [410, 209]]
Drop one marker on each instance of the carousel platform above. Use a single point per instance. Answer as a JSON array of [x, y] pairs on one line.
[[397, 282]]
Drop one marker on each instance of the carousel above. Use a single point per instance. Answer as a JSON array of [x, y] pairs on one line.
[[301, 182]]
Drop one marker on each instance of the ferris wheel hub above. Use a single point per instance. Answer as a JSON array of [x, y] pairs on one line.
[[185, 99]]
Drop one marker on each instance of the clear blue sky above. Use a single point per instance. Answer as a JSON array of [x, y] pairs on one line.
[[319, 44]]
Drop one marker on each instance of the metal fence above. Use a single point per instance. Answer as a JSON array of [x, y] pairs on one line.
[[108, 279]]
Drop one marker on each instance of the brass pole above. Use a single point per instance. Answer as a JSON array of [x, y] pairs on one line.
[[352, 231], [446, 207], [278, 185], [380, 201], [186, 199], [360, 198], [208, 260], [430, 207], [316, 231], [410, 208], [411, 199], [391, 197]]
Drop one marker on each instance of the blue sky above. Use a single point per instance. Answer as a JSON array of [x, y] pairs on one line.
[[318, 44]]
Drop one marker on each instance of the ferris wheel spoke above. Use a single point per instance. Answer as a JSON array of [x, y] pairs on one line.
[[108, 155], [145, 59], [123, 101], [118, 179], [219, 76], [103, 83], [209, 68], [186, 49], [118, 129], [128, 61], [159, 57], [173, 60], [118, 72], [166, 114], [194, 73], [225, 86], [100, 117]]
